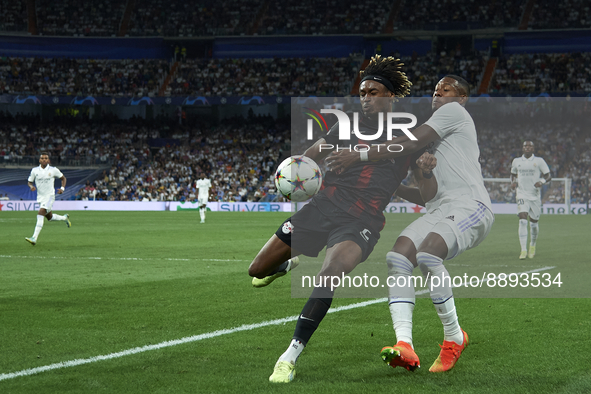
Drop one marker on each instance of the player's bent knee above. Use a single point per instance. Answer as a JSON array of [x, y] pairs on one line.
[[257, 269]]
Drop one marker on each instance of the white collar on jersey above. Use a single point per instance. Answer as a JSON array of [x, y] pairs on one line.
[[530, 159]]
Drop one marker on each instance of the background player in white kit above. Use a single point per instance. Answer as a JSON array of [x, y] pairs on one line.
[[43, 177], [203, 186], [458, 218], [528, 174]]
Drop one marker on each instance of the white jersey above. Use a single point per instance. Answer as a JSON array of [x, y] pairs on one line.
[[528, 171], [44, 179], [203, 186], [458, 171]]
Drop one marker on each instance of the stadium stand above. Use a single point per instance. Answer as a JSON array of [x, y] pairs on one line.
[[542, 72], [326, 17], [186, 19], [425, 71], [566, 14], [62, 76], [291, 17], [74, 18], [270, 76], [14, 16], [140, 160], [458, 14]]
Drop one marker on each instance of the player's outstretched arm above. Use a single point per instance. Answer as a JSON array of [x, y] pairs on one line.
[[424, 135], [318, 151]]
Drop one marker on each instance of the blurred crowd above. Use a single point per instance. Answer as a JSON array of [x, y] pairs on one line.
[[14, 15], [565, 14], [94, 77], [290, 17], [425, 71], [239, 157], [542, 72], [186, 19], [78, 18], [425, 14], [270, 76], [514, 74], [325, 17]]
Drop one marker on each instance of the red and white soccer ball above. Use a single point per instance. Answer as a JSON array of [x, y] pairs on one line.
[[298, 178]]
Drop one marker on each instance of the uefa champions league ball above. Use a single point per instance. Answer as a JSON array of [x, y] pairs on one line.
[[298, 178]]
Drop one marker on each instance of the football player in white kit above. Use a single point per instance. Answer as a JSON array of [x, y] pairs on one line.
[[528, 174], [41, 179], [458, 218], [203, 186]]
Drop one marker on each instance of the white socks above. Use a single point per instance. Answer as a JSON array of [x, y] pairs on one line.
[[38, 226], [55, 217], [293, 352], [401, 296], [523, 234], [534, 227], [202, 213], [442, 295]]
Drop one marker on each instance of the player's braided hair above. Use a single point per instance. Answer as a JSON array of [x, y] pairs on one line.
[[391, 69]]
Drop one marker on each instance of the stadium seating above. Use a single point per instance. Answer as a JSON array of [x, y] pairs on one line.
[[75, 18], [271, 76], [14, 16], [101, 77], [566, 14], [544, 72], [327, 17], [290, 17], [459, 14], [186, 19]]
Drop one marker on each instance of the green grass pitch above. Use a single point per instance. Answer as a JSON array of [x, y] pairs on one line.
[[119, 281]]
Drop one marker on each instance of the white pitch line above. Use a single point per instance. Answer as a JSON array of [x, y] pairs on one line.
[[111, 258], [195, 338]]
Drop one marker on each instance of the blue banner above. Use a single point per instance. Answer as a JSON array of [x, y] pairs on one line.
[[233, 100], [83, 48], [178, 100], [288, 47], [548, 42]]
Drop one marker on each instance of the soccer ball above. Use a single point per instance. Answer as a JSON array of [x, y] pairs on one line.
[[298, 178]]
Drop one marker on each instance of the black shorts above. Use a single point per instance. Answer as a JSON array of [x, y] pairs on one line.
[[321, 223]]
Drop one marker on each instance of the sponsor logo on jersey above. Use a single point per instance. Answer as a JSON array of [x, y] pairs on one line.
[[451, 217]]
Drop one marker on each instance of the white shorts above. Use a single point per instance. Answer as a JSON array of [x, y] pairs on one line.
[[532, 207], [463, 225], [46, 202], [202, 201]]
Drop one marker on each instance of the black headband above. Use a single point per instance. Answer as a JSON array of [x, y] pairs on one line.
[[379, 79]]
